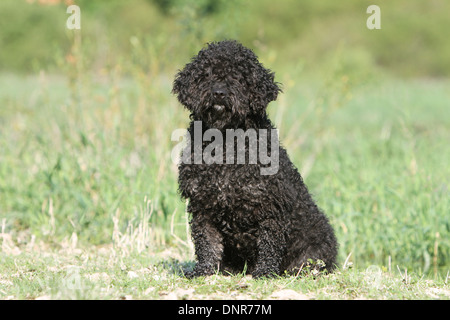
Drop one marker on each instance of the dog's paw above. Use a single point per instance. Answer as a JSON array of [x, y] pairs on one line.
[[190, 274]]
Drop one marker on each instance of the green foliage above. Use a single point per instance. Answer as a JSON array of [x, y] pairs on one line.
[[27, 35], [411, 42]]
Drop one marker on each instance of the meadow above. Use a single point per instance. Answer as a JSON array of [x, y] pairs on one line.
[[89, 207], [90, 181]]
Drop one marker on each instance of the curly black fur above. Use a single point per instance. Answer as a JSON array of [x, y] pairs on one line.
[[268, 223]]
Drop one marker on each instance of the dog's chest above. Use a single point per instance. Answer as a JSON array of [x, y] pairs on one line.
[[233, 187]]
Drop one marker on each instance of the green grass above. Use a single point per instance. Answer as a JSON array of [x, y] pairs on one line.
[[88, 191], [86, 180], [106, 273]]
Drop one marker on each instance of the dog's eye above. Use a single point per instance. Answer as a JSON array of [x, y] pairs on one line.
[[207, 73]]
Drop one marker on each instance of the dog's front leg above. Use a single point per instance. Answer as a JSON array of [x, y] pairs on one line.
[[208, 247], [271, 246]]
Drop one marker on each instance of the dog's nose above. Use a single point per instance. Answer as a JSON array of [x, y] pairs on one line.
[[219, 93]]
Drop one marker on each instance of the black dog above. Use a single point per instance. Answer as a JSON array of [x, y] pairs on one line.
[[241, 215]]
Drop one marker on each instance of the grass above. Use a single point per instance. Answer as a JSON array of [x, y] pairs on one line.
[[105, 273], [89, 192]]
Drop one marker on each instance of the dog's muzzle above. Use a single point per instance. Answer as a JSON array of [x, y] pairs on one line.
[[219, 108], [219, 93]]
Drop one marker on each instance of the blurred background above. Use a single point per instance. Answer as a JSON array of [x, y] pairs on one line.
[[413, 41], [86, 118]]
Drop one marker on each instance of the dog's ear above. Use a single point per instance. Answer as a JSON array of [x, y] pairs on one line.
[[182, 88], [272, 88], [264, 90]]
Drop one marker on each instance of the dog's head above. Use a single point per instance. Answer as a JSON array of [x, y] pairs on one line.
[[224, 85]]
